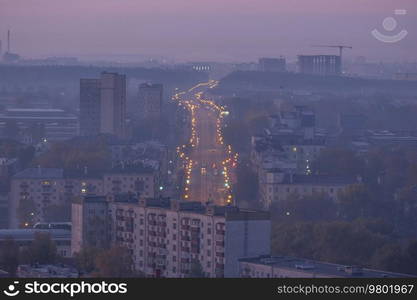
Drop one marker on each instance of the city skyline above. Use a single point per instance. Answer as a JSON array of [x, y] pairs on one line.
[[242, 30], [209, 139]]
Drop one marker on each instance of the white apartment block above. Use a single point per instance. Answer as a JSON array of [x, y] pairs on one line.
[[292, 267], [167, 237]]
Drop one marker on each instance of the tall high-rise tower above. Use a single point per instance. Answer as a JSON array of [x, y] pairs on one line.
[[103, 105], [150, 99]]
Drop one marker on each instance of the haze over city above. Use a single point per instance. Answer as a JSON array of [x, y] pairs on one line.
[[235, 30], [272, 139]]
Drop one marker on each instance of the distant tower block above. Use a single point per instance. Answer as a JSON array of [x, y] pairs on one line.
[[150, 99]]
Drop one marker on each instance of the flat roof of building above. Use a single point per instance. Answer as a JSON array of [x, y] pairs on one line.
[[40, 173], [34, 110], [299, 179], [58, 173], [29, 234], [232, 213], [319, 267]]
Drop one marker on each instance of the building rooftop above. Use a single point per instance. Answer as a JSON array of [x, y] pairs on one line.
[[319, 268], [29, 234], [34, 110], [318, 179], [47, 271], [58, 173], [232, 213], [40, 173], [94, 199]]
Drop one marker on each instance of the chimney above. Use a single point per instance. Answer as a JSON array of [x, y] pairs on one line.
[[85, 170], [8, 41]]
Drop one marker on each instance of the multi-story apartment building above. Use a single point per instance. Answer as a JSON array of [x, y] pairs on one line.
[[166, 237], [43, 187], [326, 65], [276, 186], [292, 267], [130, 181], [103, 105], [267, 64], [150, 98], [90, 223], [290, 141], [90, 114]]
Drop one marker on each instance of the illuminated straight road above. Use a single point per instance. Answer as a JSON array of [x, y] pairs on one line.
[[208, 183], [209, 161]]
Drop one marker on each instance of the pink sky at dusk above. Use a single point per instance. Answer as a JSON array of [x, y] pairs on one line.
[[195, 29]]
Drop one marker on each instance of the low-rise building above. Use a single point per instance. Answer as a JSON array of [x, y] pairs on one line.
[[25, 237], [276, 186], [46, 271], [41, 188], [52, 124], [291, 267]]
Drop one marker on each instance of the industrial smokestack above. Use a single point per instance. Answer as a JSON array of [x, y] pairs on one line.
[[8, 41]]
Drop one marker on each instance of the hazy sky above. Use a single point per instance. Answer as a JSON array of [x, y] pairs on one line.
[[228, 30]]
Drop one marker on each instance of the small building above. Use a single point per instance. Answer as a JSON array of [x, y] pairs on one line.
[[46, 271], [35, 124], [292, 267], [24, 237]]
